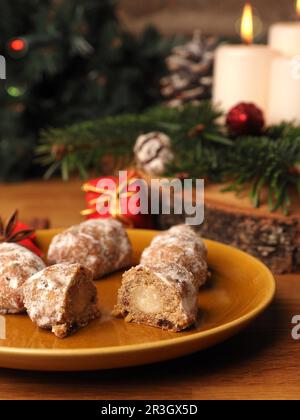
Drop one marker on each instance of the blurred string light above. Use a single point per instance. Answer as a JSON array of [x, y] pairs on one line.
[[257, 25], [17, 47], [15, 91]]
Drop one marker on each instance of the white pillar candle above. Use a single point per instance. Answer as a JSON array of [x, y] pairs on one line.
[[284, 99], [285, 38], [242, 75]]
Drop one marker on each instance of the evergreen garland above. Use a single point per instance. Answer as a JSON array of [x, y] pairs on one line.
[[202, 148]]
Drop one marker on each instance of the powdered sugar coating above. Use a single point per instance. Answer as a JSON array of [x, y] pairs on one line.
[[47, 296], [17, 264], [163, 290], [187, 232], [171, 274], [102, 245], [179, 245], [54, 281]]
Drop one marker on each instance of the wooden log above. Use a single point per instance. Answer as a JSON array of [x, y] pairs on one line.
[[272, 237]]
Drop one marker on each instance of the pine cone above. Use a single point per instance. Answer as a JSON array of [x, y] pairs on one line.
[[190, 71], [153, 153]]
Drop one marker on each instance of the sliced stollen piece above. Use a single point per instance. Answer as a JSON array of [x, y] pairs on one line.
[[62, 298], [180, 245], [17, 264], [102, 245], [162, 295]]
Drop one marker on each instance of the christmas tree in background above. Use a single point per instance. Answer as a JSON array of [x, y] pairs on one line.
[[69, 61]]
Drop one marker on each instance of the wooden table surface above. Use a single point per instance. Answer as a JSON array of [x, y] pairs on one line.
[[263, 362]]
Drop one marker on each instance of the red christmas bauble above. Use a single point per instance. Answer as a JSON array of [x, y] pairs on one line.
[[245, 119]]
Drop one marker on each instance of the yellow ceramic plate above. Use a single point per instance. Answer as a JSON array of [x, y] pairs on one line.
[[241, 288]]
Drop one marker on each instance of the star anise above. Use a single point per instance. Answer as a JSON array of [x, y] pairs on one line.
[[8, 233]]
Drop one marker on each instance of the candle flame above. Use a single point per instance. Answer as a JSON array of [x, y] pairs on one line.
[[298, 8], [247, 24]]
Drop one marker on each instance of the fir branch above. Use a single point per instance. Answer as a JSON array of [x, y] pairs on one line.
[[80, 147], [267, 162]]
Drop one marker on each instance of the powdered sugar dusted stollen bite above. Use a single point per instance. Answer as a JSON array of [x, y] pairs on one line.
[[180, 245], [62, 298], [102, 245], [162, 295], [17, 264]]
